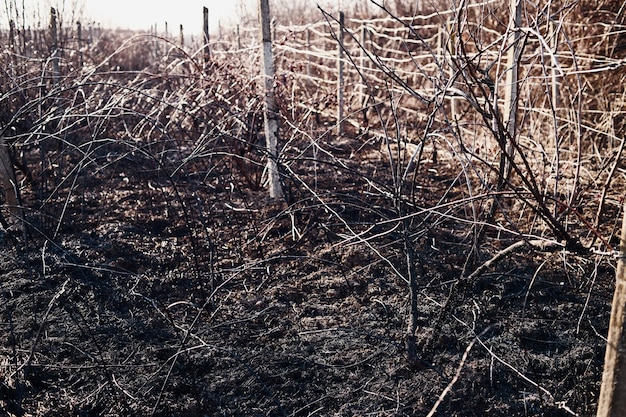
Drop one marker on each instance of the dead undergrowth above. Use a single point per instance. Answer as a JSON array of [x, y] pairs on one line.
[[406, 272]]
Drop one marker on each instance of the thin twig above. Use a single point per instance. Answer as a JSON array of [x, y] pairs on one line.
[[458, 372]]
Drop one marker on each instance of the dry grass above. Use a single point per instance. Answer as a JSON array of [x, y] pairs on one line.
[[145, 165]]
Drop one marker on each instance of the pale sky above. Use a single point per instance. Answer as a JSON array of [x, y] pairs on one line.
[[137, 14], [128, 14], [141, 14]]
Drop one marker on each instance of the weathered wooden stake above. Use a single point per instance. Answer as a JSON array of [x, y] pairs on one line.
[[238, 39], [364, 95], [271, 110], [56, 72], [205, 30], [452, 48], [308, 55], [23, 36], [182, 37], [612, 401], [155, 42], [511, 93], [28, 45], [340, 80], [554, 35], [12, 36], [12, 45], [7, 174], [9, 185], [362, 62], [79, 35]]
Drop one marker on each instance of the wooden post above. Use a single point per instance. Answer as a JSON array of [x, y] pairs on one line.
[[9, 185], [22, 36], [12, 36], [28, 46], [364, 98], [271, 110], [340, 80], [79, 35], [205, 30], [36, 45], [362, 62], [452, 48], [155, 41], [238, 39], [554, 35], [182, 37], [439, 55], [612, 401], [12, 45], [308, 55], [56, 72], [511, 93]]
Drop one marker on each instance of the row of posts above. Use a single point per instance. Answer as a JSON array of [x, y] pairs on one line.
[[27, 41], [512, 61], [55, 52]]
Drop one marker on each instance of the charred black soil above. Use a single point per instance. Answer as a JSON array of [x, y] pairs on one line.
[[168, 296]]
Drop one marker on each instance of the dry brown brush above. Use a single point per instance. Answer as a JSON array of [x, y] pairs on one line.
[[431, 235]]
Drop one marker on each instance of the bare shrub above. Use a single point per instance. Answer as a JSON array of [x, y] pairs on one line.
[[430, 254]]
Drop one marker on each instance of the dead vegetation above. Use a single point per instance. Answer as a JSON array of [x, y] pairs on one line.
[[425, 263]]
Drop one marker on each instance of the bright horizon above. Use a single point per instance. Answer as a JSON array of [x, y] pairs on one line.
[[143, 14], [128, 14], [140, 15]]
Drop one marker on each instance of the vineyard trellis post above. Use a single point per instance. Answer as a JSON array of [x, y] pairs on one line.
[[7, 174], [79, 36], [440, 52], [511, 92], [12, 49], [612, 400], [12, 36], [205, 30], [155, 43], [308, 56], [452, 49], [554, 34], [340, 75], [56, 72], [271, 109], [9, 184], [182, 36], [363, 97]]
